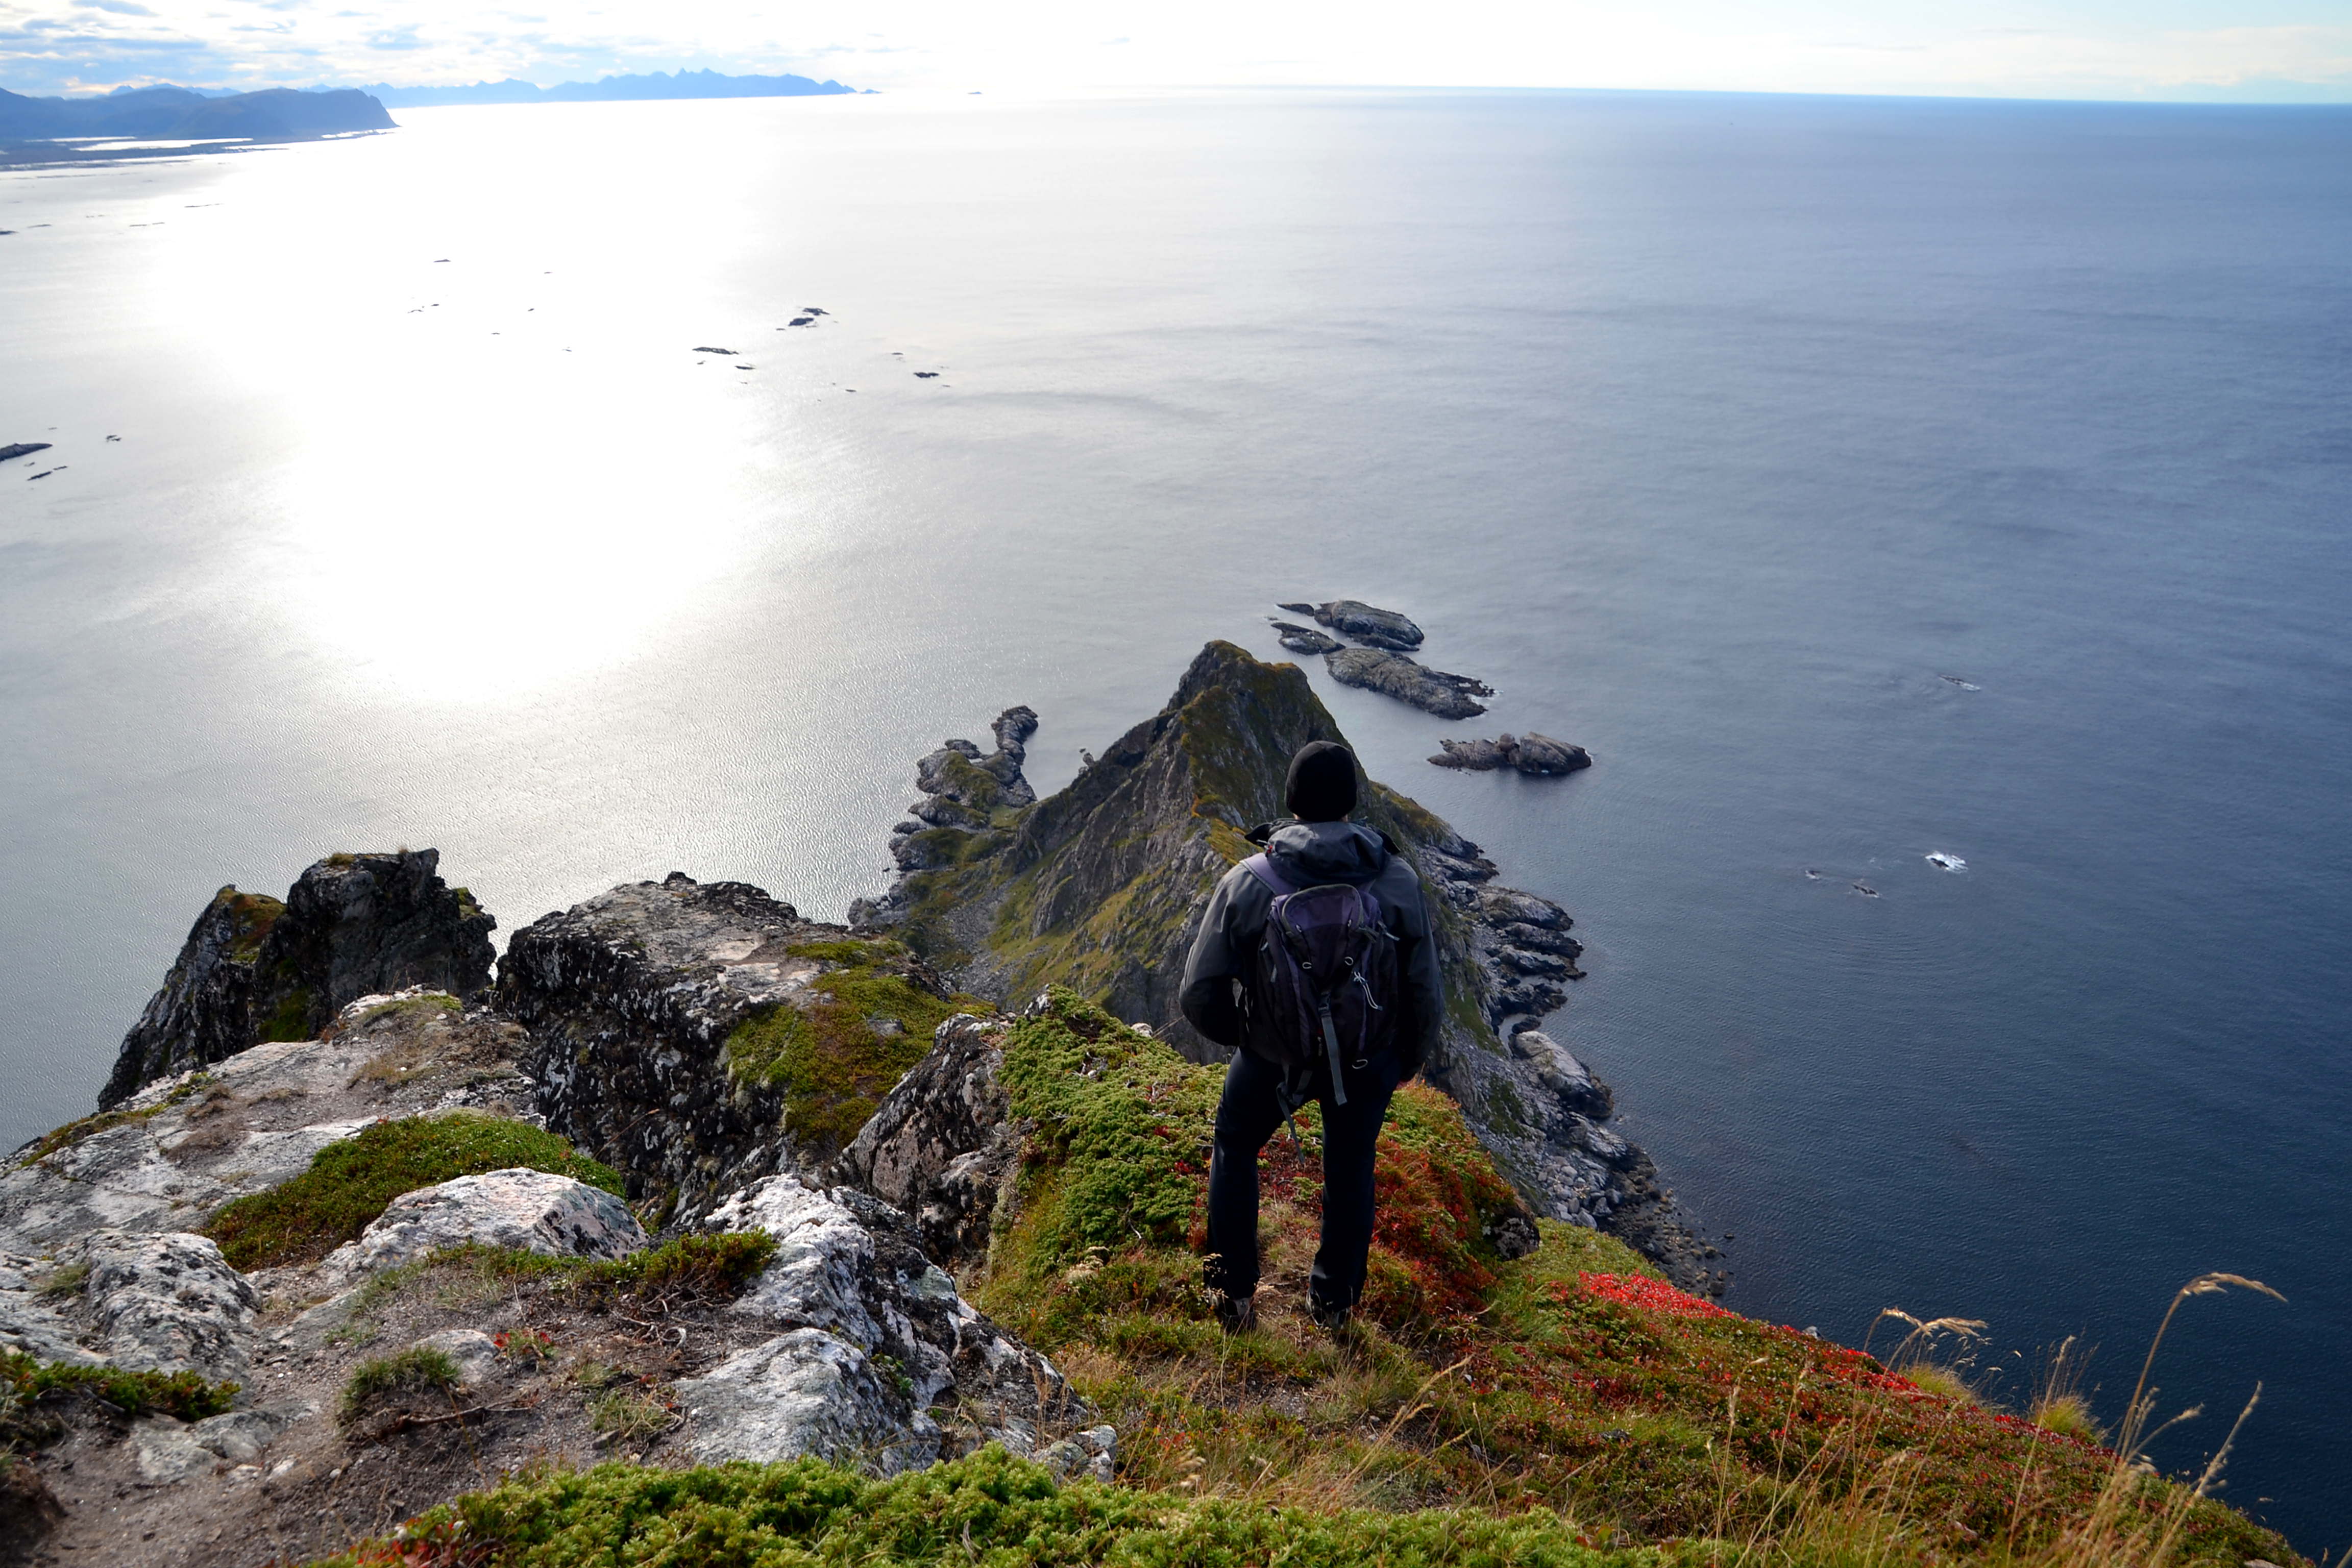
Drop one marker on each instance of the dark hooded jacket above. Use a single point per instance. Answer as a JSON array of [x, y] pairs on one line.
[[1310, 854]]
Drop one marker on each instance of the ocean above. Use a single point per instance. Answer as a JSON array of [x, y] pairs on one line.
[[1860, 479]]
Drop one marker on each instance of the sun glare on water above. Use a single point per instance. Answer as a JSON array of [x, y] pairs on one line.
[[508, 467]]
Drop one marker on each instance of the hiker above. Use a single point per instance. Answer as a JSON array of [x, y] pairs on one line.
[[1315, 963]]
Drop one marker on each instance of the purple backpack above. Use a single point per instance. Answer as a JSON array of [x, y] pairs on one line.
[[1324, 988]]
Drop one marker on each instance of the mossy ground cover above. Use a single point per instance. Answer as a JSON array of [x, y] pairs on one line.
[[1572, 1379], [74, 1132], [351, 1183], [985, 1508], [870, 1018], [32, 1389]]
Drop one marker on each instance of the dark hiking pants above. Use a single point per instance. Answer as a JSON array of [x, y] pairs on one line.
[[1246, 1117]]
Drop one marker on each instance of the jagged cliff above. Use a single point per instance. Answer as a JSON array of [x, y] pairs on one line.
[[256, 968], [1100, 888]]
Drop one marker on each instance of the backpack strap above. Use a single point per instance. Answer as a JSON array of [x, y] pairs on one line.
[[1262, 868]]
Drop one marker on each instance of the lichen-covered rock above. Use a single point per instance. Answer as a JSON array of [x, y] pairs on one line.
[[878, 1359], [170, 1155], [939, 1146], [160, 1303], [1366, 624], [1408, 681], [645, 1006], [1539, 756], [254, 969], [516, 1210]]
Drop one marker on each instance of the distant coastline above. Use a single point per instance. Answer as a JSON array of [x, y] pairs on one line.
[[131, 122], [79, 130], [612, 90]]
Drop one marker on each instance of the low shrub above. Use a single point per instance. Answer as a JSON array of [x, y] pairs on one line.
[[419, 1370], [986, 1507], [352, 1181], [27, 1382]]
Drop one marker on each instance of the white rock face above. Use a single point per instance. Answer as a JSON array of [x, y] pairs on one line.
[[874, 1344], [806, 1392], [165, 1303], [531, 1211]]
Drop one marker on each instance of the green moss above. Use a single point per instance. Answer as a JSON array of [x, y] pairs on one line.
[[409, 1006], [350, 1183], [290, 1019], [836, 1056], [255, 914], [74, 1132], [986, 1508], [26, 1384]]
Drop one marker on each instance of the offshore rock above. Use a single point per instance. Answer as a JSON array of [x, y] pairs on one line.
[[1305, 639], [1532, 753], [1394, 675], [879, 1360], [1100, 888], [941, 1143], [630, 1000], [175, 1152], [1376, 627], [254, 969], [515, 1210]]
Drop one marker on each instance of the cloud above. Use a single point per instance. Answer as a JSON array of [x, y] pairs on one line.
[[119, 8]]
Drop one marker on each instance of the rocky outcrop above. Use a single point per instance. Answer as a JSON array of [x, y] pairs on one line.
[[1305, 639], [1394, 675], [1530, 754], [175, 1152], [878, 1361], [943, 1142], [153, 1302], [1370, 625], [255, 969], [1100, 888], [642, 1004], [516, 1210]]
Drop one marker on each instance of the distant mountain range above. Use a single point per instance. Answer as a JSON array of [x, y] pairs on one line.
[[181, 114], [611, 88]]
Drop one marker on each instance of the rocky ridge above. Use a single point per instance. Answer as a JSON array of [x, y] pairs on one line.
[[255, 968], [1099, 887], [847, 1342]]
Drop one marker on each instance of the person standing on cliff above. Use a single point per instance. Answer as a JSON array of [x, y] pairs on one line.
[[1245, 989]]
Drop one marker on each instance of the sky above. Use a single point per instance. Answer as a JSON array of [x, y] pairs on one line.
[[2200, 50]]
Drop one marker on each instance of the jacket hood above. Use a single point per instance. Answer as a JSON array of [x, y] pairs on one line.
[[1311, 853]]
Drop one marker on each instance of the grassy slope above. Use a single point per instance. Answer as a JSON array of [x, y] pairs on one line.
[[1538, 1410]]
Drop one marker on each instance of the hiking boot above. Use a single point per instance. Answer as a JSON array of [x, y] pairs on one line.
[[1238, 1314], [1331, 1320]]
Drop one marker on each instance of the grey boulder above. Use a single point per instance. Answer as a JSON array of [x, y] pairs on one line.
[[519, 1209]]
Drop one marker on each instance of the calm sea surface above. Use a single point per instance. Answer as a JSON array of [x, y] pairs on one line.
[[1728, 437]]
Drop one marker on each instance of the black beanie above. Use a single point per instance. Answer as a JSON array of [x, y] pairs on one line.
[[1322, 782]]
